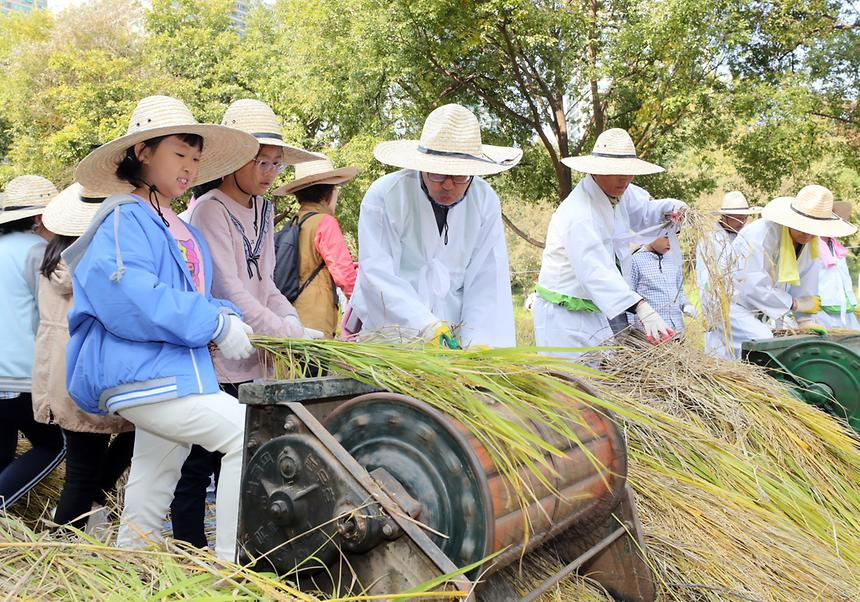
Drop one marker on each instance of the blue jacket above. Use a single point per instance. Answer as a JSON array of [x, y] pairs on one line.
[[20, 256], [139, 329]]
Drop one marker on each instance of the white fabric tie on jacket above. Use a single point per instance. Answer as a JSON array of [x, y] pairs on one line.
[[409, 277], [756, 293], [585, 237]]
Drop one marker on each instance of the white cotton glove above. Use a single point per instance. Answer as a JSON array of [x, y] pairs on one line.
[[311, 334], [689, 310], [234, 344], [656, 330], [295, 330], [677, 216], [807, 305]]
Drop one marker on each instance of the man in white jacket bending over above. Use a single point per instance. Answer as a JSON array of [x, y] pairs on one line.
[[582, 285], [431, 246]]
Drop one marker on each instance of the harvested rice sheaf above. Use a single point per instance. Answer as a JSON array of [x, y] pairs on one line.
[[744, 492]]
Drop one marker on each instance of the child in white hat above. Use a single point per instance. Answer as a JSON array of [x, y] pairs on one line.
[[237, 221], [143, 313], [777, 266], [582, 284], [431, 244], [325, 263], [22, 246], [94, 460]]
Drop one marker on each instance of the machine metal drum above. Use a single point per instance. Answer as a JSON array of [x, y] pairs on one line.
[[409, 494]]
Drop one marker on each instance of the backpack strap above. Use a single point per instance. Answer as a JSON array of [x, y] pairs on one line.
[[317, 269]]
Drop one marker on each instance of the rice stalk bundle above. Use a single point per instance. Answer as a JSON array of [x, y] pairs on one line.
[[745, 492]]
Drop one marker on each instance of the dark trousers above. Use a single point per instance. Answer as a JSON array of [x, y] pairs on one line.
[[20, 475], [94, 462], [188, 508]]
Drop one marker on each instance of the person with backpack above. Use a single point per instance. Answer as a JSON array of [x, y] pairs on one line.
[[237, 222], [22, 247], [143, 314], [94, 460], [321, 262]]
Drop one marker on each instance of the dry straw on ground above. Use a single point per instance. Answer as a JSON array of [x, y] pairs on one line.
[[745, 493]]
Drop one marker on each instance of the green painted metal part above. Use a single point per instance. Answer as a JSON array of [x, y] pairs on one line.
[[823, 370]]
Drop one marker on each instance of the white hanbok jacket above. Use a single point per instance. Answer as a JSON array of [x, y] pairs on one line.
[[408, 277], [586, 236], [837, 290], [757, 296]]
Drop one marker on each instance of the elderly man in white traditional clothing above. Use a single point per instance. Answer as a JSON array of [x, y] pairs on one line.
[[582, 285], [431, 245], [714, 262], [775, 277], [835, 286]]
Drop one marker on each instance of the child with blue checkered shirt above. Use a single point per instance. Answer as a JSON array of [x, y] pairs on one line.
[[656, 275]]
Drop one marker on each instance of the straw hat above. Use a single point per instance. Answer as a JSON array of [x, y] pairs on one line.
[[25, 196], [735, 203], [258, 119], [613, 155], [70, 212], [224, 149], [319, 171], [811, 211], [843, 209], [450, 144]]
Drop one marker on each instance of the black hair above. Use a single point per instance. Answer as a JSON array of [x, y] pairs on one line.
[[56, 246], [317, 193], [130, 166], [19, 225], [202, 189]]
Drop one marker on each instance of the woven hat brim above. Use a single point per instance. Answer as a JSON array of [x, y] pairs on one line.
[[224, 151], [335, 176], [405, 154], [779, 211], [16, 214], [747, 211], [610, 166], [67, 214], [292, 154]]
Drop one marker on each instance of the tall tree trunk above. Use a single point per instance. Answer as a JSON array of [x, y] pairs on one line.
[[598, 117]]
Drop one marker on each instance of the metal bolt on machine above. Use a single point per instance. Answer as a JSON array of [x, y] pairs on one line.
[[384, 493]]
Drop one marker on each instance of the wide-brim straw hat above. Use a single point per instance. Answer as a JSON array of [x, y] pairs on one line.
[[735, 203], [224, 149], [450, 144], [70, 212], [811, 211], [25, 196], [258, 119], [319, 171], [843, 209], [613, 155]]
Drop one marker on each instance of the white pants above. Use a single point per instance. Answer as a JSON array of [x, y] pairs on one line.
[[835, 320], [164, 434], [556, 326], [745, 326]]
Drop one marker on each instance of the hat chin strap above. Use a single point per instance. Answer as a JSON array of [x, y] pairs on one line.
[[153, 200]]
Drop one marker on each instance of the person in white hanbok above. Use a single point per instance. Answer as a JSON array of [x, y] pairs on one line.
[[586, 257], [713, 254], [835, 287], [431, 246], [776, 267]]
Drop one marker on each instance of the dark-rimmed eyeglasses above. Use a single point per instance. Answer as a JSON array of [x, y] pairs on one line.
[[438, 178]]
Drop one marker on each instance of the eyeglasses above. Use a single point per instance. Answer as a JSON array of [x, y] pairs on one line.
[[439, 178], [266, 166]]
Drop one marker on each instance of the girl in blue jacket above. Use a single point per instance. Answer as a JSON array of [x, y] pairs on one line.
[[143, 314]]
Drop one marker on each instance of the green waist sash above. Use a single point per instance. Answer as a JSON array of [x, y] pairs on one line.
[[566, 301], [835, 309]]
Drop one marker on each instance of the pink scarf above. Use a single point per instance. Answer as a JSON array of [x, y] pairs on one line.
[[827, 258]]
